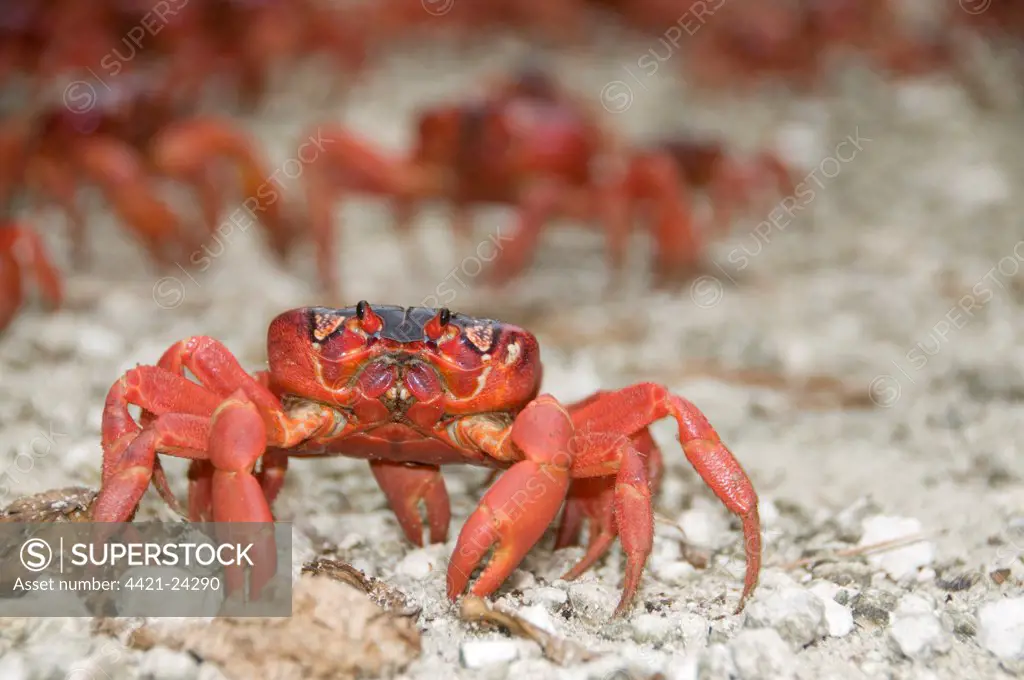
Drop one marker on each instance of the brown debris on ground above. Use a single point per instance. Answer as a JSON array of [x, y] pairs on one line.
[[335, 633], [383, 595], [70, 504]]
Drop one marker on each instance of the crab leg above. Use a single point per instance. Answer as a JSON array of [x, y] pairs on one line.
[[589, 499], [677, 244], [515, 512], [120, 173], [539, 204], [592, 498], [49, 177], [200, 491], [24, 248], [126, 477], [163, 390], [627, 411], [188, 150], [238, 437], [405, 487]]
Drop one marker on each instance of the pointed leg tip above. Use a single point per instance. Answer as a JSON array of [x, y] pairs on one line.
[[571, 575], [623, 609]]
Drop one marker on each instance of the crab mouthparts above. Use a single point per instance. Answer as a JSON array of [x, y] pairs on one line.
[[397, 397]]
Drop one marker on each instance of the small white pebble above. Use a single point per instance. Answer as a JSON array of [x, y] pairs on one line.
[[703, 527], [521, 580], [591, 600], [838, 617], [161, 663], [538, 615], [547, 595], [900, 562], [653, 628], [675, 573], [916, 631], [350, 541], [768, 512], [417, 564], [762, 653], [911, 605], [209, 671], [1001, 628], [480, 653], [796, 614], [686, 668]]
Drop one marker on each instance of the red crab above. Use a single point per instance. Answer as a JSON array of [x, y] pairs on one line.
[[528, 144], [21, 255], [410, 390]]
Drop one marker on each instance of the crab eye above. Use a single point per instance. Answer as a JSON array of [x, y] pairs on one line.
[[368, 321], [435, 327]]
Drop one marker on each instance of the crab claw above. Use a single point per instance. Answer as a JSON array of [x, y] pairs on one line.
[[516, 511]]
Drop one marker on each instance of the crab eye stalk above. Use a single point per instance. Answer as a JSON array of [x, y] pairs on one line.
[[435, 327], [368, 320]]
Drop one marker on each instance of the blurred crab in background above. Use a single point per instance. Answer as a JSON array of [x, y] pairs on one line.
[[525, 142], [410, 390]]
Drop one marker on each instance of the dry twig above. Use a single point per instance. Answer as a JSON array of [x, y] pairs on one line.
[[558, 650], [881, 546]]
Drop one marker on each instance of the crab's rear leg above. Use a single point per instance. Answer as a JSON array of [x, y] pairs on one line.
[[539, 204], [406, 486], [516, 511], [623, 508], [126, 476], [634, 408], [592, 499], [678, 245]]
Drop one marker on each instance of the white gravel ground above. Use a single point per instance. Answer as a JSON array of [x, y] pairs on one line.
[[900, 277]]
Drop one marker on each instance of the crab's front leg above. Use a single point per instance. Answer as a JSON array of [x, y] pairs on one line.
[[178, 415], [515, 512], [406, 486]]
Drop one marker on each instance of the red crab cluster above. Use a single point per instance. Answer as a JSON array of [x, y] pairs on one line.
[[123, 143], [411, 390], [182, 44]]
